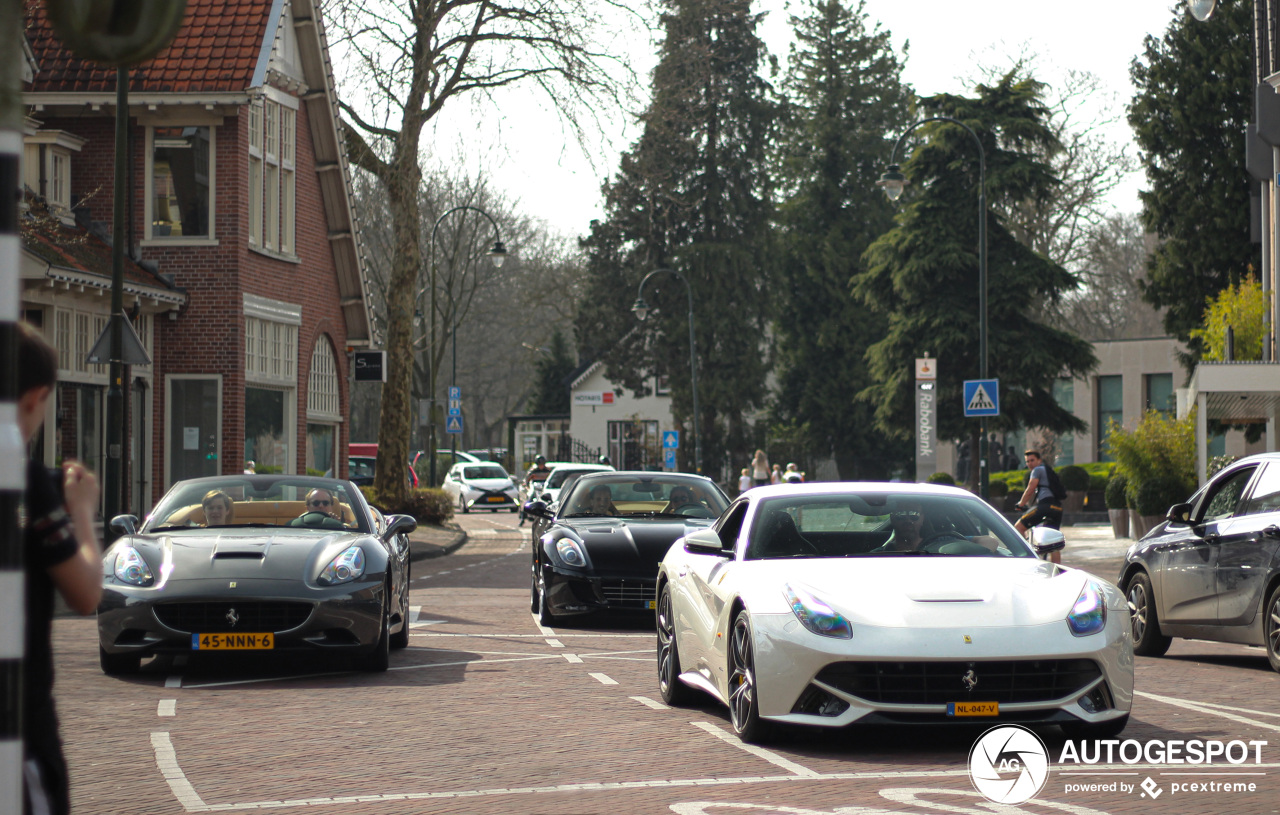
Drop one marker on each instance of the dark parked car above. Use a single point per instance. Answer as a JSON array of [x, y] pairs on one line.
[[1210, 570], [258, 563], [598, 547]]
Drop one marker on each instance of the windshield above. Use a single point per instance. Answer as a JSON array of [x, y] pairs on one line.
[[484, 471], [884, 524], [360, 466], [626, 495], [260, 500]]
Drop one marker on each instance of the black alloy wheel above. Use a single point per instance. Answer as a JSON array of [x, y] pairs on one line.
[[1271, 628], [674, 692], [534, 596], [118, 664], [379, 659], [400, 639], [744, 704], [1144, 619]]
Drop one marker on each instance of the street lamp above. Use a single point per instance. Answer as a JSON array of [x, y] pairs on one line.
[[497, 254], [1202, 9], [893, 182], [641, 310]]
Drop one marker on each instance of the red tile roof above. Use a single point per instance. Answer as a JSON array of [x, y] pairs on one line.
[[74, 248], [216, 49]]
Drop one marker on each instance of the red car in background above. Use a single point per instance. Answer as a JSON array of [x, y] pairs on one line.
[[362, 459]]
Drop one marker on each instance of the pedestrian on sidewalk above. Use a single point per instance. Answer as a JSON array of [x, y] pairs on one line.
[[60, 553], [744, 481], [760, 469]]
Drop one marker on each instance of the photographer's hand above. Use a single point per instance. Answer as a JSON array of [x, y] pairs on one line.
[[79, 578]]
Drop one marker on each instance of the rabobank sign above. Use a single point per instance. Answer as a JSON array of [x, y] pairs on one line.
[[926, 418]]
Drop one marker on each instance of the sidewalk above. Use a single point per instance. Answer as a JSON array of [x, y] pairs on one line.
[[428, 541]]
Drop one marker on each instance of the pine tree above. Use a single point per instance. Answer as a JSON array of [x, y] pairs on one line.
[[550, 391], [1190, 116], [923, 274], [846, 105], [692, 195]]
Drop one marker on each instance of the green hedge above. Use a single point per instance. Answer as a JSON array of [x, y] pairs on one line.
[[998, 489], [427, 505], [940, 478]]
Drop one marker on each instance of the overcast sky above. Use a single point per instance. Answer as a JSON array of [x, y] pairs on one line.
[[527, 154]]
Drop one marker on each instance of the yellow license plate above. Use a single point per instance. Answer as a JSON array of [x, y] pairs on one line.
[[232, 642], [973, 708], [496, 499], [653, 604]]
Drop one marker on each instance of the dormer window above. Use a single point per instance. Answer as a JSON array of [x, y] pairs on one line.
[[47, 167]]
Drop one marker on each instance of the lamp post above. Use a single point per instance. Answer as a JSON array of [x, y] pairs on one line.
[[498, 253], [893, 183], [641, 310]]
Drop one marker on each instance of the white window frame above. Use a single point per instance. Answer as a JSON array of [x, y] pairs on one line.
[[273, 149], [148, 204], [324, 395]]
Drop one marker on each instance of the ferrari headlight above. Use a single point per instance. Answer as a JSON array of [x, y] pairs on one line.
[[131, 568], [570, 552], [1089, 614], [344, 568], [816, 615]]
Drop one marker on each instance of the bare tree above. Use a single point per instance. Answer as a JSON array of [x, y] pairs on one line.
[[1109, 304], [410, 58]]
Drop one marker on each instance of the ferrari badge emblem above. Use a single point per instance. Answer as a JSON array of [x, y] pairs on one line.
[[233, 584], [970, 679], [968, 640], [233, 618]]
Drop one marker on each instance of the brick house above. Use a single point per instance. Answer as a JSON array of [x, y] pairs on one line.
[[245, 282]]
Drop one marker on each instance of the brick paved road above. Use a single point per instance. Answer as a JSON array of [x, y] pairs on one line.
[[486, 712]]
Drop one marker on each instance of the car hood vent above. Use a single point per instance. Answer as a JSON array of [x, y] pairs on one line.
[[241, 554]]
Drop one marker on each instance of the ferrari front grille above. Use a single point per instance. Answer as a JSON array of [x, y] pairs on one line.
[[629, 591], [256, 617], [937, 683]]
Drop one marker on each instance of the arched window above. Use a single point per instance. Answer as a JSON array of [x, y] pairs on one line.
[[322, 390]]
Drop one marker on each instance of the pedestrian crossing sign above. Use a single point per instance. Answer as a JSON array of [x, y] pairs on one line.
[[453, 425], [981, 397]]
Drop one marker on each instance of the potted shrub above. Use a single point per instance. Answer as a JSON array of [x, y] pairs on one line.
[[1153, 498], [1118, 505], [998, 493], [941, 478], [1095, 499], [1076, 481]]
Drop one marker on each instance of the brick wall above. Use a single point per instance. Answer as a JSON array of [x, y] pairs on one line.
[[208, 335]]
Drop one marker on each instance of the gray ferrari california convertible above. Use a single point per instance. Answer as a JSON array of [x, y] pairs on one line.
[[262, 563]]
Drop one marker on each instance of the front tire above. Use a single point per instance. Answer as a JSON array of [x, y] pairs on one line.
[[1271, 628], [545, 617], [118, 664], [744, 703], [1144, 619], [400, 639], [379, 659], [674, 692]]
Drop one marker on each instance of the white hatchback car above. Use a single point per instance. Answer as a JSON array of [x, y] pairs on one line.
[[562, 473], [481, 485]]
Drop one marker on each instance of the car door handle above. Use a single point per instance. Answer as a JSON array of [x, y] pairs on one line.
[[1213, 539], [1272, 531]]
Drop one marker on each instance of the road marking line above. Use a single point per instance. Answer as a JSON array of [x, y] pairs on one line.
[[624, 659], [1200, 708], [555, 643], [425, 623], [167, 761], [173, 682], [167, 707], [414, 612], [758, 752], [546, 632], [603, 679], [1217, 706], [574, 658], [647, 702]]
